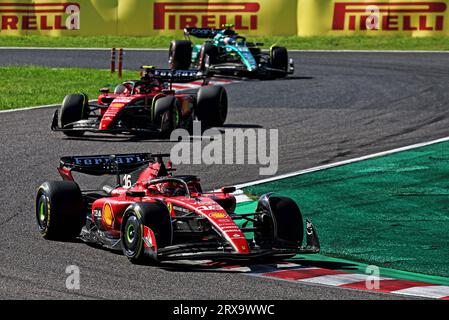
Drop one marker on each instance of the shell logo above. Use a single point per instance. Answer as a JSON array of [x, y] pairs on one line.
[[108, 215], [218, 215]]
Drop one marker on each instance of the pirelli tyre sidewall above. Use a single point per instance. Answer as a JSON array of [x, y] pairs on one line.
[[59, 210], [154, 216]]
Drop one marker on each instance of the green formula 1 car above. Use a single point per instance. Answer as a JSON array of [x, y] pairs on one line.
[[226, 52]]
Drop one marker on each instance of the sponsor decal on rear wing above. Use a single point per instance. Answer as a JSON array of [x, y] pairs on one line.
[[172, 76], [108, 164], [204, 33]]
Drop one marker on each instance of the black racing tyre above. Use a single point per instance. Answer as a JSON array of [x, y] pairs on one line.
[[180, 55], [287, 226], [59, 210], [208, 56], [166, 114], [156, 217], [212, 106], [279, 60], [75, 107]]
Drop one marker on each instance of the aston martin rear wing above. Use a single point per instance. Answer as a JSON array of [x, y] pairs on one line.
[[202, 33]]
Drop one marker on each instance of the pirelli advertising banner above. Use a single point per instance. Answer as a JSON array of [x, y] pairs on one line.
[[251, 17], [55, 18], [145, 17], [343, 17]]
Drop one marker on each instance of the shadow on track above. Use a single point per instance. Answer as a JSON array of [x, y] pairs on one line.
[[241, 126], [255, 266], [115, 139], [123, 138]]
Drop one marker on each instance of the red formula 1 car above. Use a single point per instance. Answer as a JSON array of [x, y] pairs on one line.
[[157, 216], [145, 106]]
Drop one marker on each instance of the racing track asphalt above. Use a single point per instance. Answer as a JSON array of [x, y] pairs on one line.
[[337, 106]]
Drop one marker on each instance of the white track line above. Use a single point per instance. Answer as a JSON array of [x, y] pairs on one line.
[[82, 49], [371, 51], [30, 108], [46, 106], [340, 163], [338, 279]]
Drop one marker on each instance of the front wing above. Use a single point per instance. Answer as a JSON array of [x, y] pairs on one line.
[[192, 251], [236, 69], [93, 126]]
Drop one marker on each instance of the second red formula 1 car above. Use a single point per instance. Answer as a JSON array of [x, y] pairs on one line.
[[145, 106], [153, 215]]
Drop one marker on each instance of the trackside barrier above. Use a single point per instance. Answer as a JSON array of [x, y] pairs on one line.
[[112, 60], [250, 17], [120, 62]]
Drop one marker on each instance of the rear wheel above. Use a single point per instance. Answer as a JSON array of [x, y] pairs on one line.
[[279, 60], [145, 220], [59, 210], [212, 106], [75, 107], [180, 55]]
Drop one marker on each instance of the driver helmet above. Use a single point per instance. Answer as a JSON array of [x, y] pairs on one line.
[[120, 89], [148, 73], [171, 189], [228, 40], [228, 31]]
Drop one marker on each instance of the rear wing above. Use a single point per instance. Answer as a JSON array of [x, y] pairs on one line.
[[112, 164], [172, 76], [203, 33]]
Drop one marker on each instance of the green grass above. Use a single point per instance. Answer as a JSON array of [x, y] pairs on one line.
[[26, 86], [390, 211], [291, 42]]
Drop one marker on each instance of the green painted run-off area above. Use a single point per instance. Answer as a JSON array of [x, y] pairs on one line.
[[392, 211]]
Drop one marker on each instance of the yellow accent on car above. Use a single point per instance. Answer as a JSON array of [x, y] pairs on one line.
[[108, 216], [218, 215]]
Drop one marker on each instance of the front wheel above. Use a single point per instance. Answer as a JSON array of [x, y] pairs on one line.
[[75, 107], [279, 60], [212, 106], [145, 228], [279, 222]]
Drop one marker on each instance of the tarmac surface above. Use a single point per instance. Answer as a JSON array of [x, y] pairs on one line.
[[336, 106]]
